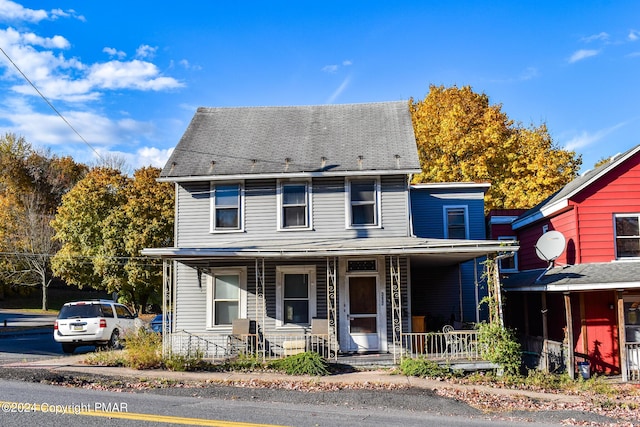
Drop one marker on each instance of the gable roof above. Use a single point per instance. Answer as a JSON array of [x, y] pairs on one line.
[[560, 199], [228, 143]]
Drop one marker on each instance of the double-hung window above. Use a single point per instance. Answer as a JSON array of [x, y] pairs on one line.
[[627, 227], [294, 206], [226, 296], [227, 207], [363, 203], [455, 222], [296, 289]]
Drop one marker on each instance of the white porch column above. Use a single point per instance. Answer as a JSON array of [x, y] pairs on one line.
[[396, 306]]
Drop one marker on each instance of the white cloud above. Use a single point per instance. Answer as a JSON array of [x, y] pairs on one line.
[[151, 156], [330, 68], [582, 54], [145, 51], [586, 138], [134, 74], [114, 52], [596, 37], [333, 68], [11, 11], [633, 35]]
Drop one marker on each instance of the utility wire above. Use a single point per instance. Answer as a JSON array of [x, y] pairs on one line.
[[51, 105]]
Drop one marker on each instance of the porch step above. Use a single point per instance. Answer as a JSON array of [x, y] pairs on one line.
[[368, 360]]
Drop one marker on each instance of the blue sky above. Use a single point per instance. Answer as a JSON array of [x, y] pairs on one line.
[[128, 76]]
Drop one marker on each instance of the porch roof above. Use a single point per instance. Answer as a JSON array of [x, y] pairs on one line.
[[440, 251], [581, 277]]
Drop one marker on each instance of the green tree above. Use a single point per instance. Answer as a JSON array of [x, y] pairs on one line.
[[461, 137], [103, 224]]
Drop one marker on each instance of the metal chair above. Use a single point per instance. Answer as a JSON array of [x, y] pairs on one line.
[[239, 341], [319, 337]]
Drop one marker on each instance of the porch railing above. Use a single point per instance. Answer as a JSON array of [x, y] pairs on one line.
[[268, 346], [454, 345], [633, 361]]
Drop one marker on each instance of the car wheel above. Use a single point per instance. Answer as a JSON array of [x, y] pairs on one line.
[[68, 348], [114, 342]]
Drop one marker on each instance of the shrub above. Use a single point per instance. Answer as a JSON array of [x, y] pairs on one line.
[[499, 345], [308, 363], [422, 367], [182, 362], [143, 350]]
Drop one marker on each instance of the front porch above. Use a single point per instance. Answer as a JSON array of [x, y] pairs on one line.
[[457, 349]]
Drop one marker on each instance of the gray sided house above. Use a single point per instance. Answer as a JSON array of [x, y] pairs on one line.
[[298, 220]]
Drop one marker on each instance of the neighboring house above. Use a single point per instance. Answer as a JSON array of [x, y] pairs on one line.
[[289, 214], [590, 295]]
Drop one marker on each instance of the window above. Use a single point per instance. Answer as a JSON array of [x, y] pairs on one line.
[[363, 202], [296, 288], [294, 202], [227, 207], [510, 263], [627, 235], [455, 222], [226, 296]]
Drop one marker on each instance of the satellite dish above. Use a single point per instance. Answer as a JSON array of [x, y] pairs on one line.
[[550, 245]]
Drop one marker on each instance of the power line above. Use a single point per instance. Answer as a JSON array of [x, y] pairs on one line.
[[51, 105]]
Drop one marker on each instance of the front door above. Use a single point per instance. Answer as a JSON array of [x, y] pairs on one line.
[[363, 314]]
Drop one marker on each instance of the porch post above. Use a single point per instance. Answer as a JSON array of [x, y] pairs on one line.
[[332, 311], [570, 350], [396, 305], [545, 333], [622, 338], [167, 306], [260, 305]]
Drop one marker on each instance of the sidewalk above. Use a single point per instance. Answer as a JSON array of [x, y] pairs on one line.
[[73, 364]]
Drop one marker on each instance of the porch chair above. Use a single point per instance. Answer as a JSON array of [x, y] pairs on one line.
[[319, 337], [240, 339], [455, 345]]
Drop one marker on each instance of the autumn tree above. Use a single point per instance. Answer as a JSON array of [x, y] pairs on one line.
[[31, 187], [461, 137], [104, 223]]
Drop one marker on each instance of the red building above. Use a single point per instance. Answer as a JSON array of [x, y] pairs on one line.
[[589, 296]]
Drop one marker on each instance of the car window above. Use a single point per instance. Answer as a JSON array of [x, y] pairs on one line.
[[123, 312], [107, 311], [80, 311]]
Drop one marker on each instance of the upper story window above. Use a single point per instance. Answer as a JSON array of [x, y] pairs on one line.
[[296, 291], [508, 264], [226, 207], [226, 296], [456, 224], [627, 235], [295, 209], [364, 202]]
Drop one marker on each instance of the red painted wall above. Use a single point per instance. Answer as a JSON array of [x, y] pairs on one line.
[[595, 330], [587, 223]]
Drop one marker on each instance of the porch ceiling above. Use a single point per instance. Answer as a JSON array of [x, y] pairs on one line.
[[437, 251]]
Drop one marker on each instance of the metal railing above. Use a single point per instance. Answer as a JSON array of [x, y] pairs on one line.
[[268, 346], [454, 345]]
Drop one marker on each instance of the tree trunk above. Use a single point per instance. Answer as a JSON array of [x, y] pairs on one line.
[[45, 285]]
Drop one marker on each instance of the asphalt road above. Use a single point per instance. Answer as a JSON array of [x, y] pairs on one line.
[[27, 404]]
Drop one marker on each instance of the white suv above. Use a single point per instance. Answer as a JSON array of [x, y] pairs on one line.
[[99, 322]]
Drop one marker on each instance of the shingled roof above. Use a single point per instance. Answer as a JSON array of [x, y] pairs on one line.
[[326, 139]]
